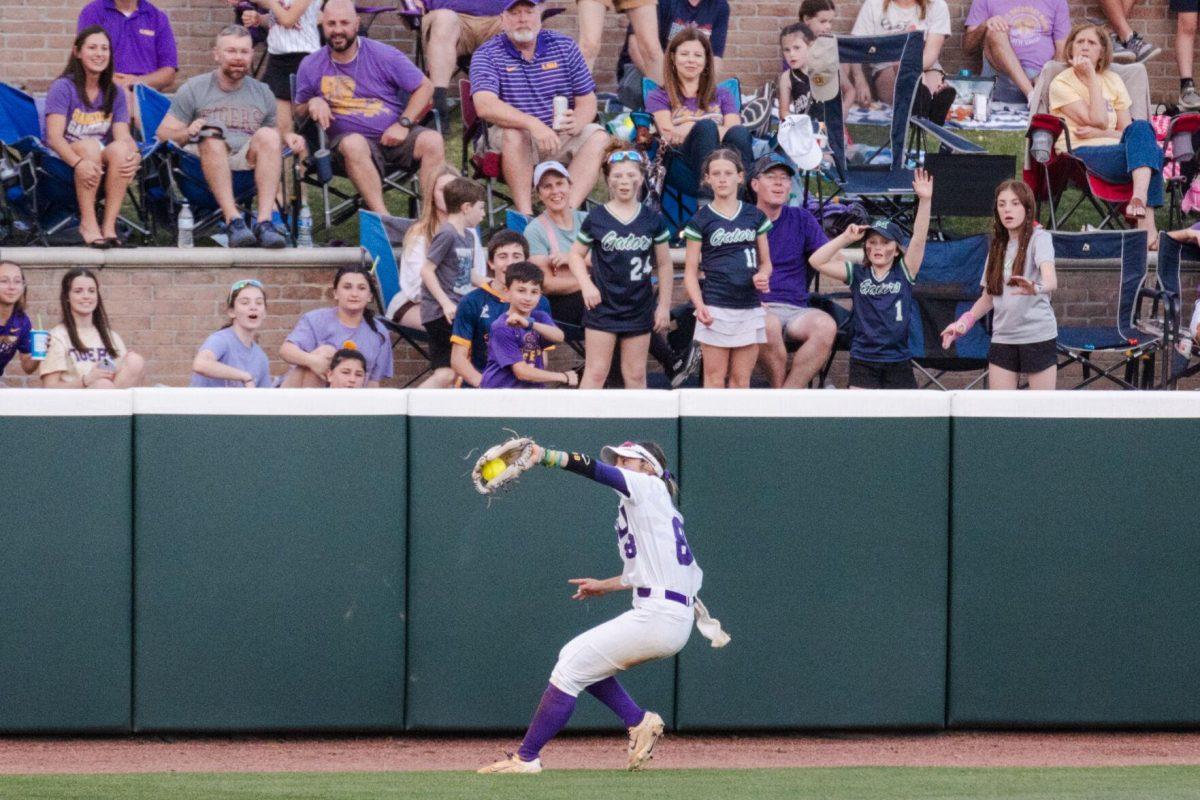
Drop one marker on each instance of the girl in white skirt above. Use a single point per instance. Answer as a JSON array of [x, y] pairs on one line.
[[727, 245]]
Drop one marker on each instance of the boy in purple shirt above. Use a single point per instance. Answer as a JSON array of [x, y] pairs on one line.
[[143, 44], [519, 337], [351, 87], [1017, 38]]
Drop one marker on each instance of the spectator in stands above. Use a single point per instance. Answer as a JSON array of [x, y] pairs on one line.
[[1185, 48], [515, 77], [479, 309], [647, 53], [881, 17], [228, 119], [143, 45], [1128, 44], [448, 263], [84, 352], [710, 17], [87, 126], [452, 29], [352, 88], [818, 15], [291, 35], [320, 333], [405, 306], [794, 89], [231, 358], [15, 326], [794, 236], [347, 370], [1094, 103], [521, 335], [693, 115], [550, 236], [1017, 38]]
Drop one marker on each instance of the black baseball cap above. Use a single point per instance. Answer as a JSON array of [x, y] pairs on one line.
[[770, 161]]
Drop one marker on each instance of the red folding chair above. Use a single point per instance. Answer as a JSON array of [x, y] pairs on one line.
[[478, 159], [1050, 173]]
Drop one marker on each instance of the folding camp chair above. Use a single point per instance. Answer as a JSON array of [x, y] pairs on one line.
[[378, 236], [182, 176], [1179, 341], [478, 159], [1181, 165], [963, 184], [43, 194], [947, 285], [1134, 343]]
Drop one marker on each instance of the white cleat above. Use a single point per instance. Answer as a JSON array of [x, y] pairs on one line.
[[642, 738], [512, 765]]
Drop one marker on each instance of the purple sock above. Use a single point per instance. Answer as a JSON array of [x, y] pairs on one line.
[[610, 692], [552, 714]]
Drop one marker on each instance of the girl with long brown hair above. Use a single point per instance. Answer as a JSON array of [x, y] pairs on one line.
[[1017, 284], [85, 352]]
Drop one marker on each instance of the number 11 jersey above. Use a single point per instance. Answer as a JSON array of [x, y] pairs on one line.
[[622, 263]]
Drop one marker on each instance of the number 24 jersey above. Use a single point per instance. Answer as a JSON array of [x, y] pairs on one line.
[[622, 263]]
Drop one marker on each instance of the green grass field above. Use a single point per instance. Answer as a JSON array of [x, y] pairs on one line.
[[865, 783]]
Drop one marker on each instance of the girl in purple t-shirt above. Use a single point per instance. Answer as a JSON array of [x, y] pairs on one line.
[[87, 126], [350, 323], [231, 357]]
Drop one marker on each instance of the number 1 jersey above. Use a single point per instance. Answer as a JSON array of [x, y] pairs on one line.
[[650, 536], [622, 263], [882, 310]]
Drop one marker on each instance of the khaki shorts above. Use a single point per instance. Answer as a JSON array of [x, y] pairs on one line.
[[239, 161], [475, 31], [626, 5], [564, 153]]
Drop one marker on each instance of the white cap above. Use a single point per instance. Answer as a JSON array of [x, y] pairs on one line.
[[541, 169], [609, 453]]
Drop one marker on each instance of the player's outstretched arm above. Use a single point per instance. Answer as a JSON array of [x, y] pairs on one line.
[[583, 465]]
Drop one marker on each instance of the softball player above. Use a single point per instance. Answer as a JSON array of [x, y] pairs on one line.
[[658, 566]]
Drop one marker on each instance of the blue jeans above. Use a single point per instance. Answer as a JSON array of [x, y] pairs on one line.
[[1116, 162]]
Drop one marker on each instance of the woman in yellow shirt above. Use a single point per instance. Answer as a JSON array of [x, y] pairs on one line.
[[1094, 103]]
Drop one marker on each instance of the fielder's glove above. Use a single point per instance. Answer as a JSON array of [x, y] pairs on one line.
[[517, 455]]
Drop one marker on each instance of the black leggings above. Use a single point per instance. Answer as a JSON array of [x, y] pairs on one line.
[[704, 137]]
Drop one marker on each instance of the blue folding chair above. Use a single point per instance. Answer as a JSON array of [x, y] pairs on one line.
[[1179, 345], [947, 285], [1133, 342], [43, 196], [378, 236]]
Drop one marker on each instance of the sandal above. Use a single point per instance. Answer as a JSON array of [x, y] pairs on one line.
[[99, 244], [1138, 208]]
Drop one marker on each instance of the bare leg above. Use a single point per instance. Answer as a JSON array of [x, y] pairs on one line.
[[772, 356], [598, 347], [214, 160], [741, 366], [585, 168], [266, 156], [133, 368], [516, 150], [634, 350], [430, 151], [998, 50], [412, 317], [89, 227], [442, 60], [442, 378], [1185, 42], [115, 156], [816, 330], [591, 28], [1000, 378], [884, 84], [716, 365], [644, 20], [1045, 380], [360, 167], [1115, 11]]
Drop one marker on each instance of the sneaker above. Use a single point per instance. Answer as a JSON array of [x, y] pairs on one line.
[[1189, 99], [642, 738], [1142, 50], [269, 236], [1120, 53], [685, 366], [512, 765], [239, 235]]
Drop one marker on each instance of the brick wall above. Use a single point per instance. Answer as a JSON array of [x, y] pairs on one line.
[[36, 36]]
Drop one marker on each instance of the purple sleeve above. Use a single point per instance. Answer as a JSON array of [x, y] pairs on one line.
[[164, 43], [308, 79], [24, 338], [979, 13], [581, 77], [610, 477], [381, 366], [120, 108], [402, 71], [485, 73], [725, 102], [304, 335], [60, 96], [1061, 25], [538, 315], [720, 30], [217, 344], [88, 16], [657, 100], [504, 345], [814, 236]]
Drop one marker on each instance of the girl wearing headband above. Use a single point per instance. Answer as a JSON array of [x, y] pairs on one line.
[[231, 357]]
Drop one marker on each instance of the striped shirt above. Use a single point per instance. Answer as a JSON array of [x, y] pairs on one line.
[[301, 39], [557, 68]]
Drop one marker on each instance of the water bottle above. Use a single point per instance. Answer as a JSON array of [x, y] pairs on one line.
[[304, 228], [186, 223]]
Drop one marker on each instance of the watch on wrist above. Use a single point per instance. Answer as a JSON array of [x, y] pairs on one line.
[[405, 122]]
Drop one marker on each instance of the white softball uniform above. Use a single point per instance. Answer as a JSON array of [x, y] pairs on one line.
[[665, 578]]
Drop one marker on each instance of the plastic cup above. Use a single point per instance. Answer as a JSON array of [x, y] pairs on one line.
[[39, 344]]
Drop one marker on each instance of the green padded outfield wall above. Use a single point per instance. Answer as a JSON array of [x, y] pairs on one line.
[[270, 553], [1076, 559], [820, 521], [65, 576], [489, 603]]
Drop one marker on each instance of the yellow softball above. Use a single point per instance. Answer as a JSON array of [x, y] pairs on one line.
[[492, 469]]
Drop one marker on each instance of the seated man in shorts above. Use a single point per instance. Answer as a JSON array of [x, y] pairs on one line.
[[646, 39], [515, 77], [351, 87], [228, 119], [452, 29], [794, 236]]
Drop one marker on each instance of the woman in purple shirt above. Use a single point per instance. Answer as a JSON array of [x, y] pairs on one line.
[[87, 126], [693, 115]]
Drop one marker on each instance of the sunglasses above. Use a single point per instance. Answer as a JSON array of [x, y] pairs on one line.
[[239, 285], [625, 155]]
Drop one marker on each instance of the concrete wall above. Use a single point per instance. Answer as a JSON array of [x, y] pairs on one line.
[[42, 33]]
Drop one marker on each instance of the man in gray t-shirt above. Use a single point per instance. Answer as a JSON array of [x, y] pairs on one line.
[[228, 119]]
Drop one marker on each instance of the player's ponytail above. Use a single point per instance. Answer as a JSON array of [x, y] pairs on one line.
[[667, 477]]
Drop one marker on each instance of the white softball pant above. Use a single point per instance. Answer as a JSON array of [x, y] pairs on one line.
[[653, 629]]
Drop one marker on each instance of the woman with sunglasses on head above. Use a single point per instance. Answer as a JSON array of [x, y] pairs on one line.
[[231, 357], [627, 242], [693, 115]]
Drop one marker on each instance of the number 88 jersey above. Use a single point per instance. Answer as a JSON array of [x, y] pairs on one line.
[[651, 538], [622, 263]]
